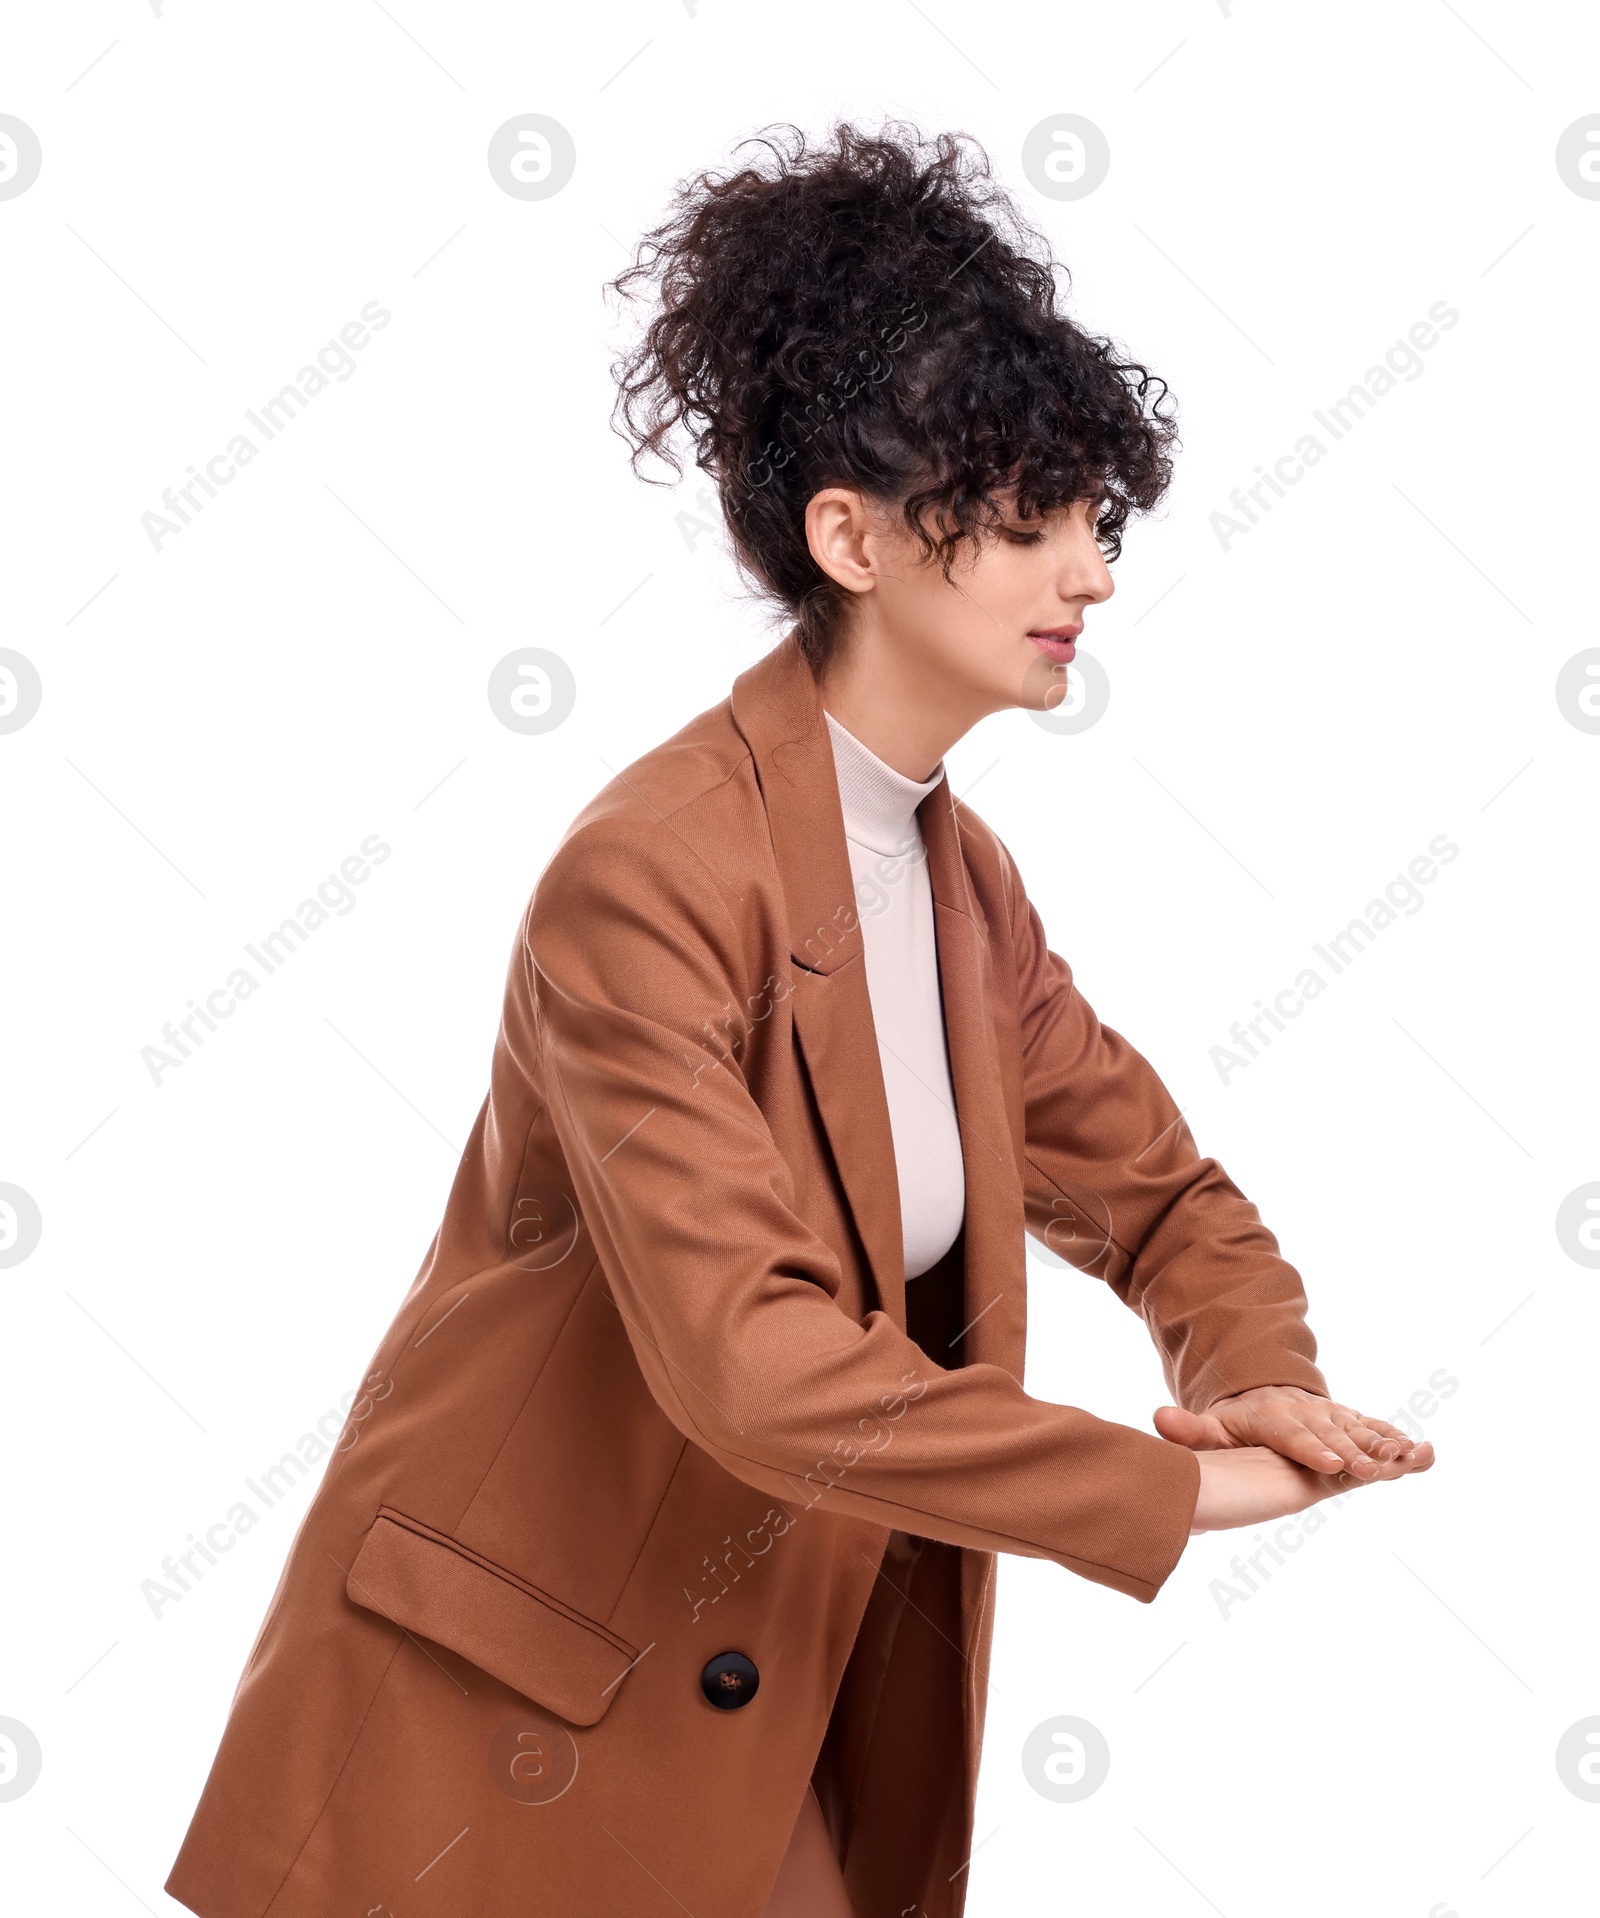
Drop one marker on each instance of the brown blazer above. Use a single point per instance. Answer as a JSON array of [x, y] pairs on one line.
[[651, 1399]]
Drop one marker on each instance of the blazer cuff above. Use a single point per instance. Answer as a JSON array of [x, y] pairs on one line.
[[1158, 1498]]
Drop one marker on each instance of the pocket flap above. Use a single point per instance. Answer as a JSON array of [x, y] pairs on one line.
[[430, 1584]]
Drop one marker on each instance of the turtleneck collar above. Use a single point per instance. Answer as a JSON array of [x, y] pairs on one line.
[[879, 804]]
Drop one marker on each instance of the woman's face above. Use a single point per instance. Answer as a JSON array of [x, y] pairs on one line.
[[998, 633]]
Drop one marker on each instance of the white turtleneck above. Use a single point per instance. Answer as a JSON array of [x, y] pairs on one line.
[[889, 863]]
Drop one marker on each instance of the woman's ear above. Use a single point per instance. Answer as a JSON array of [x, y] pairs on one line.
[[839, 533]]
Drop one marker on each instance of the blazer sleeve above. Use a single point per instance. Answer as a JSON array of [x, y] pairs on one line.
[[729, 1297], [1115, 1184]]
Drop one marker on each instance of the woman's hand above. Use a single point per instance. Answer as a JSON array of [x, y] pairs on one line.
[[1252, 1484], [1311, 1431]]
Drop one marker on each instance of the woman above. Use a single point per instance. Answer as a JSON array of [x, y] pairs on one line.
[[655, 1568]]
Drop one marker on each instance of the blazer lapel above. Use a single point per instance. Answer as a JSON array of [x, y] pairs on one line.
[[778, 708]]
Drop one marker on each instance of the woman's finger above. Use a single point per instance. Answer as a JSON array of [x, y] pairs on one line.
[[1296, 1440], [1349, 1451], [1386, 1433], [1376, 1437]]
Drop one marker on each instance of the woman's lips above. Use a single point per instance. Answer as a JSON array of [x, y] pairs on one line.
[[1057, 642]]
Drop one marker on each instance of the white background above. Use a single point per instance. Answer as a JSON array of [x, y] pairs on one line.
[[1292, 720]]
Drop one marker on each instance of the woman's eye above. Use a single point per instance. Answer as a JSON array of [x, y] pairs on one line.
[[1022, 539]]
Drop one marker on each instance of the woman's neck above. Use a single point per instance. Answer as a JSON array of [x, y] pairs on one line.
[[896, 708]]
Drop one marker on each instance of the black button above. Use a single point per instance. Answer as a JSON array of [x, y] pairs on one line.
[[729, 1681]]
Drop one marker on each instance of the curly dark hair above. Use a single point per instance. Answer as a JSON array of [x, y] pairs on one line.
[[872, 311]]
